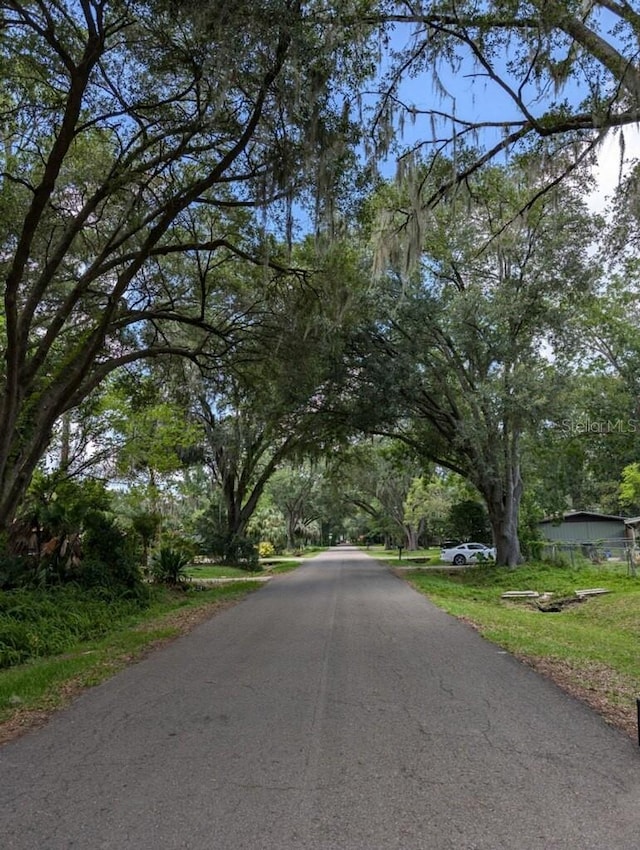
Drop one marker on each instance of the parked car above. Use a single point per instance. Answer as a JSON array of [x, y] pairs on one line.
[[467, 553]]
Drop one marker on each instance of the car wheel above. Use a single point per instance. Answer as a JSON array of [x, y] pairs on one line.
[[458, 560]]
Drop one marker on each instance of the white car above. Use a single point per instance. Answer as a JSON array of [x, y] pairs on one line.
[[468, 553]]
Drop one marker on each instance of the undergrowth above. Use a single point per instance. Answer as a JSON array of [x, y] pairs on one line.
[[38, 623]]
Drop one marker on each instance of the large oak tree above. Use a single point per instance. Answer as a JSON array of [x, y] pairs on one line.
[[462, 358], [139, 140]]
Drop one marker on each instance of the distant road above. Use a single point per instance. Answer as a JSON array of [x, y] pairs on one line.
[[335, 709]]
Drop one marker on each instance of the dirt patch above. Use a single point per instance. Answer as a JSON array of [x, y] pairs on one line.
[[554, 606], [185, 619], [182, 620]]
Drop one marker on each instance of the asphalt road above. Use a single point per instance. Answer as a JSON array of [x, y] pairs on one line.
[[335, 709]]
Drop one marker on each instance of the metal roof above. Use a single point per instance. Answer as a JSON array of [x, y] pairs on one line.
[[592, 515]]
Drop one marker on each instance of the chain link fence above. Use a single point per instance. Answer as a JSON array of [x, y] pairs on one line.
[[616, 554]]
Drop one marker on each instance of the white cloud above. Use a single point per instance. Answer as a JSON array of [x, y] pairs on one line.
[[618, 149]]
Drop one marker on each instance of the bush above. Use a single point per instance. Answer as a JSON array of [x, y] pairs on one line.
[[168, 565], [38, 623], [244, 554], [18, 571], [146, 524], [108, 555], [482, 559], [105, 560], [532, 548], [175, 540], [232, 550], [266, 549]]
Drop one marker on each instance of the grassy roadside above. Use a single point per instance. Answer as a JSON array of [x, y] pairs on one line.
[[273, 566], [196, 571], [29, 692], [401, 558], [590, 649]]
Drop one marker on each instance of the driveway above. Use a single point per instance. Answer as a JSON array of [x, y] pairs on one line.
[[335, 709]]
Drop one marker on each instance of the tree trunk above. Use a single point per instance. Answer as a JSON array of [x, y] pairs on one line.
[[291, 532], [16, 472], [503, 506], [411, 538], [65, 442], [236, 521], [504, 524]]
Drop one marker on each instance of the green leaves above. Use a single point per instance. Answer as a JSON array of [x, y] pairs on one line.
[[152, 155], [467, 363], [630, 486]]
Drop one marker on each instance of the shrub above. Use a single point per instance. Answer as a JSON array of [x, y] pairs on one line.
[[21, 571], [244, 554], [175, 540], [532, 548], [38, 623], [232, 550], [168, 565], [266, 549], [483, 559], [108, 555], [146, 525]]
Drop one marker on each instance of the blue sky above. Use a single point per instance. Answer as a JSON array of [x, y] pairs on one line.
[[608, 169], [472, 96]]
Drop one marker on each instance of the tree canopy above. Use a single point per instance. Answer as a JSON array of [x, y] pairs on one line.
[[139, 143], [461, 361], [507, 75], [199, 184]]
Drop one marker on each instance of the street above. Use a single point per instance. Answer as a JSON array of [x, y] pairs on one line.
[[334, 709]]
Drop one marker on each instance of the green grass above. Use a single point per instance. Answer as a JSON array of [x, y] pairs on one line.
[[38, 623], [430, 556], [213, 571], [271, 566], [276, 567], [46, 681]]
